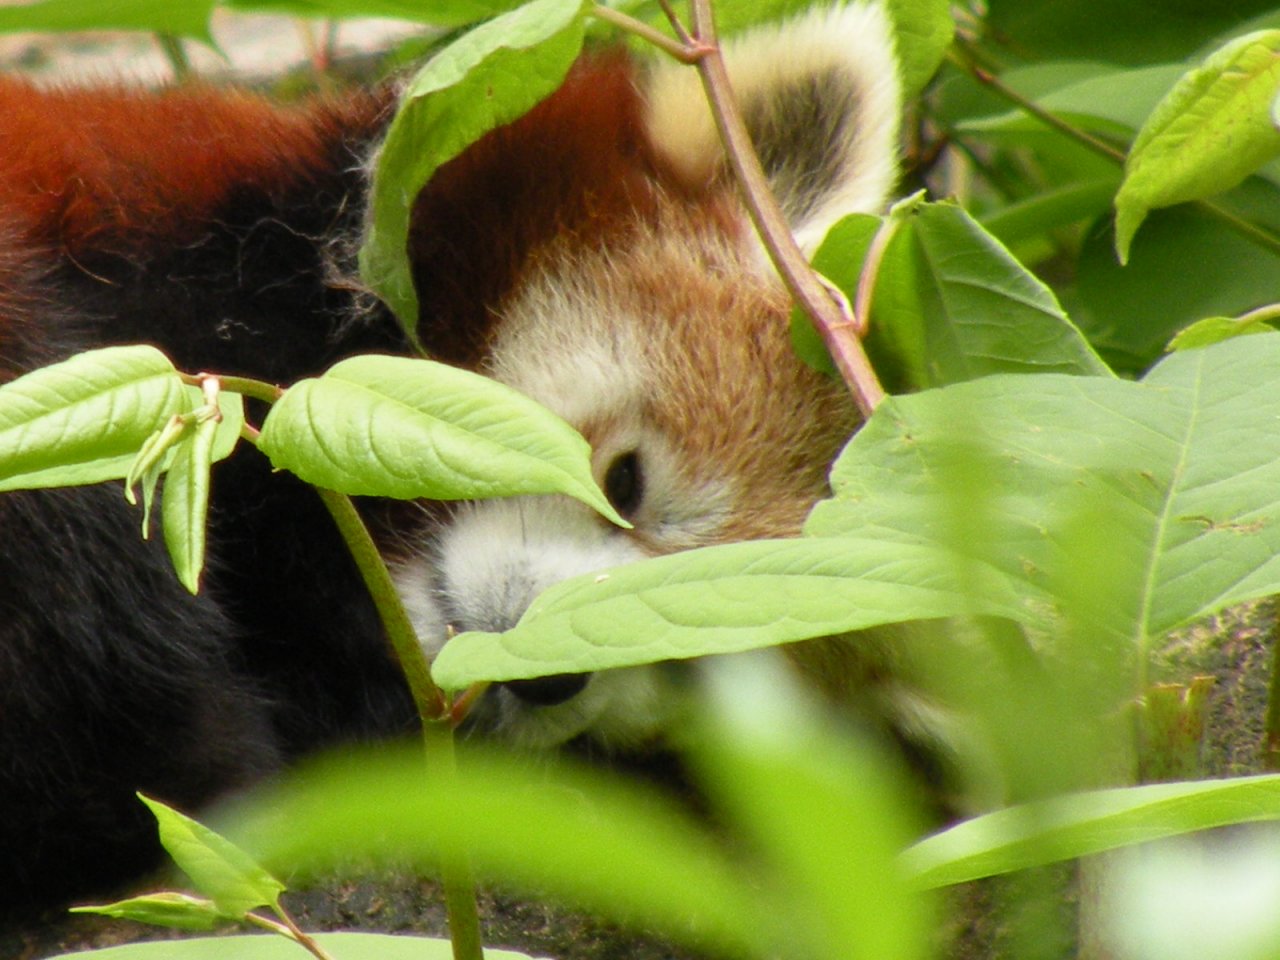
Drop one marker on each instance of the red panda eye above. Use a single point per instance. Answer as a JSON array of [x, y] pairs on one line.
[[624, 483]]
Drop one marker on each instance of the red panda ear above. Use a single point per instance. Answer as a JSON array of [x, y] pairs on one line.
[[821, 97]]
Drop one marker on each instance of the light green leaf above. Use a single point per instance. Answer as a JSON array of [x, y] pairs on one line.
[[347, 946], [190, 18], [722, 599], [179, 911], [828, 813], [1077, 825], [83, 420], [184, 510], [486, 78], [1211, 131], [567, 832], [1182, 470], [218, 868], [1213, 330], [405, 428], [924, 31]]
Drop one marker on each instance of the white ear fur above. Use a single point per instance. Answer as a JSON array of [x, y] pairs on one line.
[[822, 99]]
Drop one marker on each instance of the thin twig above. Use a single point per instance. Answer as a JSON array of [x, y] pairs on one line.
[[837, 332], [641, 29]]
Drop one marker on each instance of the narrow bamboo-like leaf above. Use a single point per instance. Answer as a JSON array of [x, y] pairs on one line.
[[83, 420], [218, 868], [565, 831], [487, 77], [180, 911], [189, 18], [346, 946], [722, 599], [1067, 827], [1211, 131], [399, 427]]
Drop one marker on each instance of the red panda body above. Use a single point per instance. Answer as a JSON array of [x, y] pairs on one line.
[[592, 254]]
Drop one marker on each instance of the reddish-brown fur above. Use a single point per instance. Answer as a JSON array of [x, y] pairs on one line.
[[119, 168]]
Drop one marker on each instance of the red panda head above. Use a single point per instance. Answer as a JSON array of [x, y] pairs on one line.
[[623, 287]]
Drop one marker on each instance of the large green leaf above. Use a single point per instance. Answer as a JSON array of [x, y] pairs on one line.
[[1211, 131], [1077, 825], [400, 427], [1182, 469], [185, 18], [347, 946], [723, 599], [486, 78], [83, 420]]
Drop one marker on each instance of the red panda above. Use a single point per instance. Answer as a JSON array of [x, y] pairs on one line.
[[593, 254]]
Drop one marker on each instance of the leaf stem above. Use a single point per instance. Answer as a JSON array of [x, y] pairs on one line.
[[428, 699], [836, 328], [286, 927]]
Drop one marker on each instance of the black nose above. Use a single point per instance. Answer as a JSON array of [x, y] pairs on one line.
[[548, 691]]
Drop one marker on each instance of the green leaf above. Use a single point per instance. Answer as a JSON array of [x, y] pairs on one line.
[[348, 946], [83, 420], [722, 599], [442, 13], [924, 31], [190, 18], [185, 507], [1077, 825], [1211, 131], [405, 428], [564, 831], [486, 78], [179, 911], [951, 304], [1182, 470], [828, 813], [1211, 330], [218, 868]]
